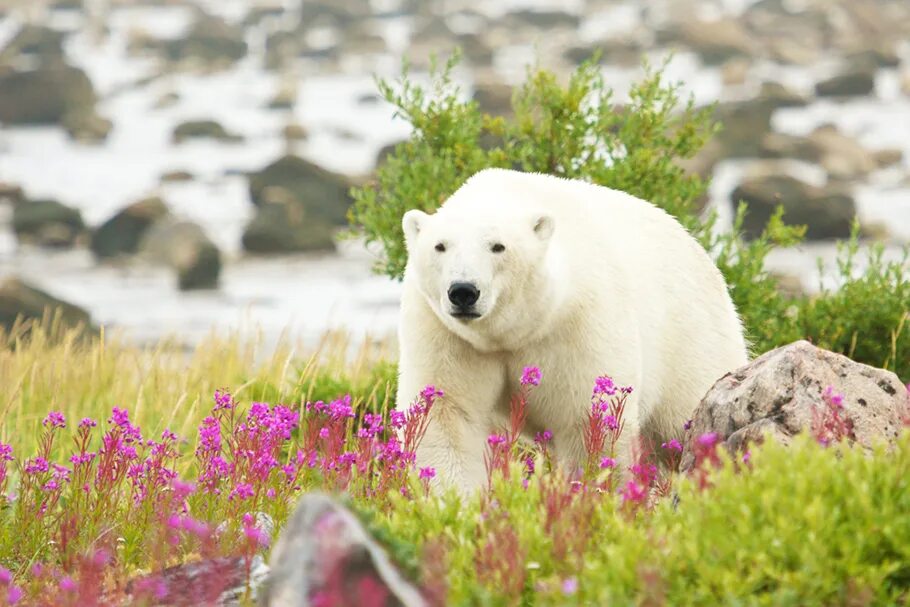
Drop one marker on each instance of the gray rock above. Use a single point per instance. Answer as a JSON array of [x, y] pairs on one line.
[[743, 123], [11, 193], [779, 393], [543, 19], [778, 96], [176, 176], [714, 41], [873, 58], [220, 582], [46, 95], [325, 549], [841, 156], [203, 129], [827, 212], [210, 40], [781, 145], [853, 83], [183, 246], [47, 223], [122, 233], [34, 42], [19, 300], [493, 96], [323, 195], [284, 227]]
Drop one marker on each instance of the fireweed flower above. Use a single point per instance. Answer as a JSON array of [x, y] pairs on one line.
[[67, 584], [496, 439], [430, 393], [87, 422], [427, 473], [5, 576], [254, 533], [6, 453], [607, 462], [834, 399], [223, 400], [604, 385], [672, 445], [708, 440], [530, 376], [687, 425], [13, 595], [397, 419], [37, 465], [54, 419], [242, 491], [634, 493], [542, 438]]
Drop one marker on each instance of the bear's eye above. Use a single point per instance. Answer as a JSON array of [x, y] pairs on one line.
[[440, 247], [498, 247]]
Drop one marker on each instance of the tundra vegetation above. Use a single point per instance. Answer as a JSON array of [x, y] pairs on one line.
[[118, 462]]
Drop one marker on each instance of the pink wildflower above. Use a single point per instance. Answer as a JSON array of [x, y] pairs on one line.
[[530, 376], [54, 419]]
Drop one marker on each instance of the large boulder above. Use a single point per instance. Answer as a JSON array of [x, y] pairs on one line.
[[781, 394], [325, 556], [323, 195], [122, 233], [827, 212], [19, 300], [47, 223], [185, 247]]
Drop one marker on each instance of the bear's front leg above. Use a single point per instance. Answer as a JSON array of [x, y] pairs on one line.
[[460, 421]]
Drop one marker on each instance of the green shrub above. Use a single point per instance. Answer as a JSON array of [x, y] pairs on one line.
[[803, 525], [574, 130]]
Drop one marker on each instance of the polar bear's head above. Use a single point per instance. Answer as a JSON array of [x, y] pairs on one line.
[[482, 273]]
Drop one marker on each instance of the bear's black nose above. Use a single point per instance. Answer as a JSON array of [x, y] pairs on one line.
[[463, 294]]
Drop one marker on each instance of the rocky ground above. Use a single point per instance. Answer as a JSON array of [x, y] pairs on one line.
[[191, 136]]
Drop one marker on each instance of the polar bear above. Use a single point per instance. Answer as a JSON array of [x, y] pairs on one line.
[[525, 269]]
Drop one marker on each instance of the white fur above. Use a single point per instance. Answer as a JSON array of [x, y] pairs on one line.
[[592, 281]]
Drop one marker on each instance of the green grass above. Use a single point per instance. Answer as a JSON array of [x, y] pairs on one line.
[[166, 386]]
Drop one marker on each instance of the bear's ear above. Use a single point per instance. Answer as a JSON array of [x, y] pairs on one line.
[[410, 223], [543, 227]]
